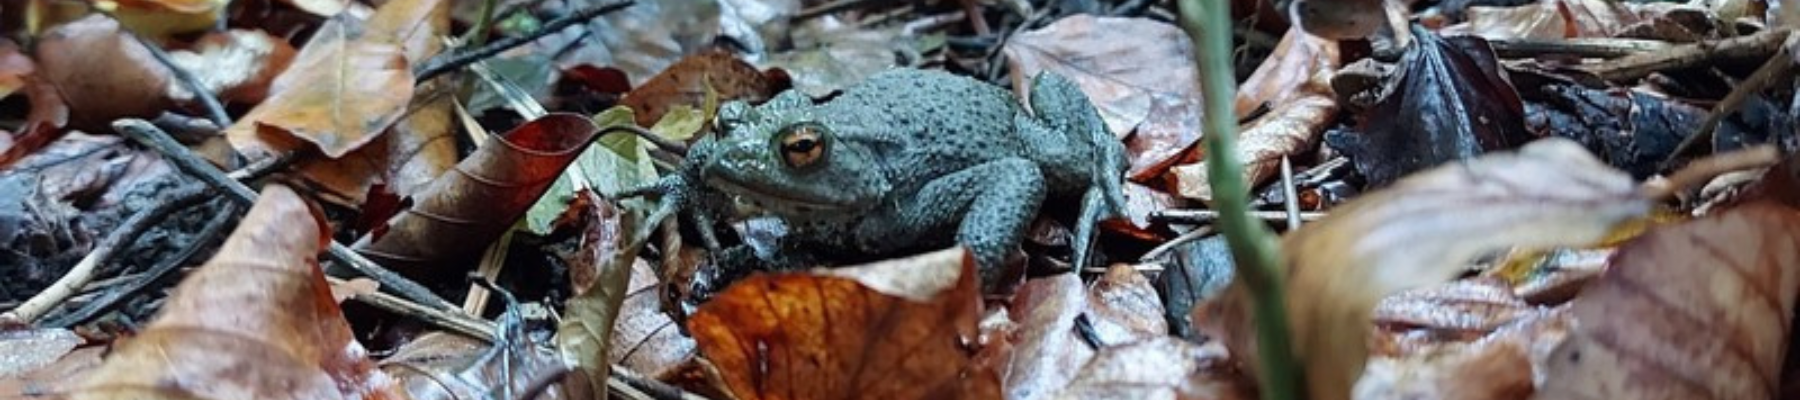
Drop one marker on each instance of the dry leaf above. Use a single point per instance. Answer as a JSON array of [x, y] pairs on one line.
[[255, 322], [48, 112], [323, 8], [30, 349], [1046, 352], [1548, 19], [101, 73], [1293, 128], [1138, 73], [1124, 306], [238, 65], [1699, 310], [162, 18], [687, 81], [1296, 62], [1459, 311], [1156, 368], [345, 88], [446, 366], [53, 378], [1504, 361], [14, 68], [1550, 193], [454, 219], [894, 329]]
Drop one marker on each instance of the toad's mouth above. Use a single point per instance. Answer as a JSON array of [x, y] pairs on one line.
[[777, 201]]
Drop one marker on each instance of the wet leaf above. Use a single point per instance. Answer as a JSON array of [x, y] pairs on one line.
[[1452, 102], [31, 349], [687, 81], [237, 66], [455, 218], [893, 329], [1155, 368], [1138, 73], [1699, 310], [101, 73], [345, 88], [256, 321], [1548, 194]]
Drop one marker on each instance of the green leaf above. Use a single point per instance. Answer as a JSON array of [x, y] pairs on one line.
[[619, 162]]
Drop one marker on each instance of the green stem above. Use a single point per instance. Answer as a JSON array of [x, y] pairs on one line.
[[1253, 246]]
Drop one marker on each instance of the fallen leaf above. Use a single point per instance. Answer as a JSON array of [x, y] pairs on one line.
[[163, 18], [1632, 130], [621, 161], [1505, 360], [1548, 19], [101, 73], [893, 329], [323, 8], [237, 65], [1699, 310], [1290, 130], [1452, 102], [15, 66], [30, 349], [1137, 72], [256, 321], [1155, 368], [1295, 63], [43, 124], [347, 85], [1046, 352], [1459, 311], [474, 368], [455, 218], [687, 82], [840, 58], [1550, 193], [53, 378], [1124, 307]]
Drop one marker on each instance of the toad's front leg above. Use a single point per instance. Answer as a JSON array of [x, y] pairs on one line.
[[989, 206]]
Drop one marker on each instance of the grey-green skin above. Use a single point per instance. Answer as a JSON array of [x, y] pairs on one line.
[[913, 159]]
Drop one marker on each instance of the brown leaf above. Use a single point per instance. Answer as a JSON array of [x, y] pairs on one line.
[[893, 329], [421, 366], [1136, 71], [1294, 64], [238, 65], [1293, 128], [101, 73], [30, 349], [1548, 19], [49, 113], [1155, 368], [1124, 306], [1550, 193], [1046, 352], [54, 378], [15, 67], [255, 322], [1504, 360], [1699, 310], [345, 87], [455, 218], [1459, 311], [1452, 102], [686, 82]]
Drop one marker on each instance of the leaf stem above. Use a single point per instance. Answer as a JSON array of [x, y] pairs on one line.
[[1253, 247]]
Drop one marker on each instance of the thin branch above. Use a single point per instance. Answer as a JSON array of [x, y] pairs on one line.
[[444, 63], [1778, 65], [1701, 171], [184, 159], [1213, 216], [104, 253], [1579, 47], [219, 222], [215, 111], [1755, 46], [453, 320]]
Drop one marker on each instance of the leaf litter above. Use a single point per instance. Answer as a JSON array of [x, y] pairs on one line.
[[1507, 211]]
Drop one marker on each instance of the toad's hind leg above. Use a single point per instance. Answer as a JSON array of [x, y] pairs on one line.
[[1065, 110], [989, 205]]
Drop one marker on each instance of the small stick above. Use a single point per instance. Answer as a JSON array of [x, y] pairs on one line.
[[1701, 171], [444, 63], [1756, 46], [1777, 65], [103, 253], [262, 167], [184, 159], [1208, 216], [454, 320], [106, 301], [1291, 194], [1579, 47], [827, 8]]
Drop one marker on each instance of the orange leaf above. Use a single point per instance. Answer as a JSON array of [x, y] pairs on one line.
[[1699, 310], [686, 82], [255, 322], [894, 329], [455, 218]]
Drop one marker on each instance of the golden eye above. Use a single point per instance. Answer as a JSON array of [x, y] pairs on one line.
[[802, 145]]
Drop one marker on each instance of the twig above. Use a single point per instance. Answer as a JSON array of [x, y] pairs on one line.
[[215, 111], [1701, 171], [1778, 65], [1579, 47], [441, 64], [1756, 46], [1213, 216], [262, 167], [1163, 249], [453, 320], [184, 159], [213, 228], [103, 253], [827, 8], [1290, 194], [1253, 247]]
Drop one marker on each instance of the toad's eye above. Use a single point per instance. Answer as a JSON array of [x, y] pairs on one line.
[[802, 145]]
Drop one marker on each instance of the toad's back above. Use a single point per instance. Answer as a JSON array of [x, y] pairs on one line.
[[926, 124]]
